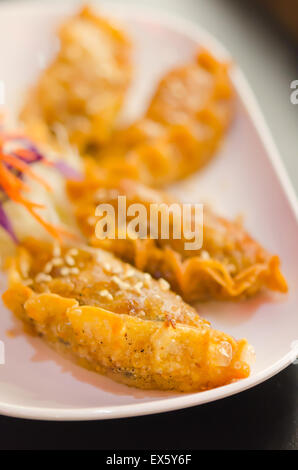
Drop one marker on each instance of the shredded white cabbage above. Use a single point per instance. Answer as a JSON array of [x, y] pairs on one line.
[[57, 209]]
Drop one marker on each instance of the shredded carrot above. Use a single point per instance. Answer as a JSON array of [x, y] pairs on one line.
[[25, 154], [24, 168], [12, 184]]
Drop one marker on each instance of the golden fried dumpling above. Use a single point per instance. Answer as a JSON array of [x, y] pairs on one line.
[[80, 94], [229, 264], [193, 93], [118, 321], [183, 126]]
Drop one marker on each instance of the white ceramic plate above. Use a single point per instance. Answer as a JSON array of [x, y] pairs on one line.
[[247, 177]]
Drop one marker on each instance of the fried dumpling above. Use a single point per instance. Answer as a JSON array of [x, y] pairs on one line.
[[230, 264], [118, 321], [78, 97], [183, 126]]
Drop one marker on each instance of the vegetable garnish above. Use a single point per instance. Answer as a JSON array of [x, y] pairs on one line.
[[17, 154], [5, 223]]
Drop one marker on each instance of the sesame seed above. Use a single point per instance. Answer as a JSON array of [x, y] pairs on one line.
[[164, 284], [69, 260], [57, 261], [129, 273], [64, 271], [204, 255], [148, 280], [117, 270], [56, 250], [121, 284], [48, 267], [105, 293], [107, 267], [138, 286], [42, 277], [74, 270]]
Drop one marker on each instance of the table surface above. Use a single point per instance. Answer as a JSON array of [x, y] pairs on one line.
[[265, 417]]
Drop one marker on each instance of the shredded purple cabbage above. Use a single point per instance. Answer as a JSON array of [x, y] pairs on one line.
[[36, 156], [6, 224], [67, 171]]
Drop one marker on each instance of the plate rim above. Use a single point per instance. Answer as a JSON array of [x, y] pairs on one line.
[[147, 408], [251, 106]]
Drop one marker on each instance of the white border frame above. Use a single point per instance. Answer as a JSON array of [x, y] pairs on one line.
[[252, 108]]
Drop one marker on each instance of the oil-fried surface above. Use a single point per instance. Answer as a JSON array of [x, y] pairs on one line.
[[183, 126], [230, 263], [83, 89], [95, 277], [62, 302]]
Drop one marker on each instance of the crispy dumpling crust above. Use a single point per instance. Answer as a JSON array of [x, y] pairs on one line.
[[183, 126], [83, 89], [230, 264], [148, 350]]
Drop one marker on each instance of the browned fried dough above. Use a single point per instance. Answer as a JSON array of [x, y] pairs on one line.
[[230, 264], [182, 128], [118, 321], [82, 91]]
